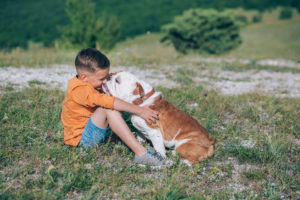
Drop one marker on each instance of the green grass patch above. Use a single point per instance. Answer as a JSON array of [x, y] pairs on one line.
[[36, 82], [36, 58], [255, 174], [35, 163], [273, 41], [254, 66]]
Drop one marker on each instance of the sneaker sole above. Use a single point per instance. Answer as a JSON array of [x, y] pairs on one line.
[[152, 167]]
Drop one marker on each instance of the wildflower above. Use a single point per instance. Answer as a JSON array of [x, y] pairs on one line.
[[292, 151], [291, 174], [205, 94], [269, 176]]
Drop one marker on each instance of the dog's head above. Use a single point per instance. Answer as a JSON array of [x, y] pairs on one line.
[[125, 86]]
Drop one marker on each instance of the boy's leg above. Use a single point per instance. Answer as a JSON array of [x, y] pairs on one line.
[[102, 117]]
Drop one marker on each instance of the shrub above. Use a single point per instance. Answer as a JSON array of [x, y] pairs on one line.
[[286, 13], [202, 30], [242, 20], [257, 18], [296, 4]]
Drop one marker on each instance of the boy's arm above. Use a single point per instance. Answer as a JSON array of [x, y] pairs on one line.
[[88, 97], [145, 112]]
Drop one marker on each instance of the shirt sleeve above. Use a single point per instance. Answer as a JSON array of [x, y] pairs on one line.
[[90, 97]]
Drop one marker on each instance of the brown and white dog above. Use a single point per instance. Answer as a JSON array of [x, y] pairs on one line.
[[174, 129]]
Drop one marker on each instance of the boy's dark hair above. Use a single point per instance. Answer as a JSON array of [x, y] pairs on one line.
[[90, 59]]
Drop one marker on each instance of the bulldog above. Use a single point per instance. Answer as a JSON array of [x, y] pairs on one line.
[[174, 129]]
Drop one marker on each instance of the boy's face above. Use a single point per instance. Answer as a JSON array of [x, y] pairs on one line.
[[95, 79]]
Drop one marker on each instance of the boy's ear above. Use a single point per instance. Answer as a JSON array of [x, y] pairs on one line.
[[82, 76]]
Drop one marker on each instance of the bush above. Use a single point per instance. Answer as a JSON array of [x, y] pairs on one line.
[[242, 20], [202, 30], [286, 13], [296, 4], [257, 18]]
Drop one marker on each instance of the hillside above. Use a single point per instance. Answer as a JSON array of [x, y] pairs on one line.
[[21, 21]]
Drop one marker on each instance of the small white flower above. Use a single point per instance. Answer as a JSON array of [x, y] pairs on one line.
[[273, 184], [5, 117]]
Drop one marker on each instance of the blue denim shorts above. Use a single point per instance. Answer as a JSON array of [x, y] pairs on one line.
[[93, 135]]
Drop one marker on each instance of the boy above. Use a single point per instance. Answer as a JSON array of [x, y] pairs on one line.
[[88, 114]]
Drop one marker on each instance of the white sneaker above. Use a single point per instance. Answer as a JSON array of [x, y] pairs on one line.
[[153, 160]]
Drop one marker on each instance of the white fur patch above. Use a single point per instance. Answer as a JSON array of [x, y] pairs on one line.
[[181, 142], [172, 143], [186, 162]]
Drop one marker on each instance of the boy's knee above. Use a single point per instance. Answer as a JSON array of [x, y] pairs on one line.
[[113, 112], [99, 117], [104, 112], [100, 111]]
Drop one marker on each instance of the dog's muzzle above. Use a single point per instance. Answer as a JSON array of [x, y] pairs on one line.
[[105, 89]]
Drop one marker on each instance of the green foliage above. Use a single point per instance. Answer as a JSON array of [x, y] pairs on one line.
[[261, 154], [286, 13], [33, 20], [241, 20], [85, 30], [202, 30], [82, 27], [257, 18], [38, 20], [255, 174], [296, 4], [108, 32]]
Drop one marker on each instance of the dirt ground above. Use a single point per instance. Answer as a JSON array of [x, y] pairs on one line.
[[284, 84]]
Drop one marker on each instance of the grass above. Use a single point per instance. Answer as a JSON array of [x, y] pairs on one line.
[[41, 57], [273, 38], [254, 66], [35, 164], [280, 41], [257, 136]]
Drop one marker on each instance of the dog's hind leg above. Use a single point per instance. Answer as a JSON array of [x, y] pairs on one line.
[[193, 152]]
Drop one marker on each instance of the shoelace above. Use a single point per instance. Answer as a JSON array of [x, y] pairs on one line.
[[156, 155]]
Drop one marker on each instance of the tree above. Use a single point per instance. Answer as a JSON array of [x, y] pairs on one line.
[[85, 29]]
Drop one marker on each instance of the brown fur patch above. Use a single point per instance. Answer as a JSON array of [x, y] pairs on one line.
[[139, 89]]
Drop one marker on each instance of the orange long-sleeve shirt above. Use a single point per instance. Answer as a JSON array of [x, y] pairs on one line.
[[80, 102]]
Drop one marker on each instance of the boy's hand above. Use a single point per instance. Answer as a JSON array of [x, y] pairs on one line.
[[144, 112], [148, 114]]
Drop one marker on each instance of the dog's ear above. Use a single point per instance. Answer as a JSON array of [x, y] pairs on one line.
[[139, 90]]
